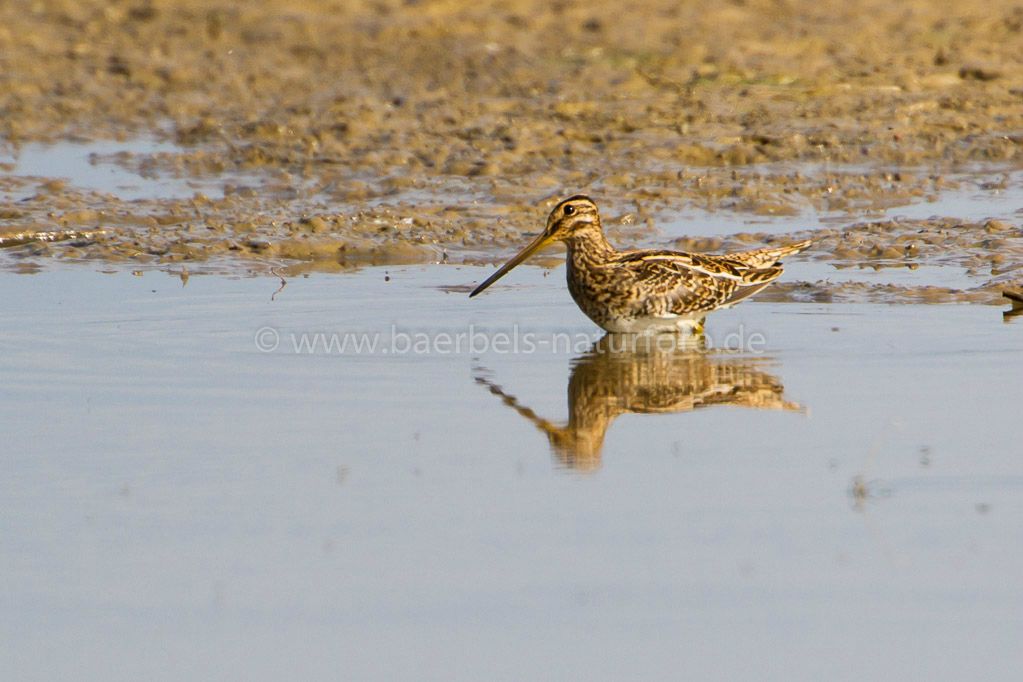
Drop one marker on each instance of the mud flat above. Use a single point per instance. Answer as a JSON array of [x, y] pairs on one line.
[[322, 136]]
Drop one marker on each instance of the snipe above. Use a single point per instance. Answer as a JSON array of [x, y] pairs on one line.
[[647, 291]]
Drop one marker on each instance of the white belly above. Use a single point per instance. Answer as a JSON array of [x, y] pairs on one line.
[[678, 324]]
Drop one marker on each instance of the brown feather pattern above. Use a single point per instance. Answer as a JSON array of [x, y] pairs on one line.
[[616, 288]]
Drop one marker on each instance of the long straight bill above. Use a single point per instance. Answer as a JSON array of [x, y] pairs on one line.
[[541, 241]]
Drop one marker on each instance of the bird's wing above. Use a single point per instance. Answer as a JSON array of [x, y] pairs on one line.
[[687, 283]]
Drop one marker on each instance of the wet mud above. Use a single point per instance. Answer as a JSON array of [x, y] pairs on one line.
[[320, 135]]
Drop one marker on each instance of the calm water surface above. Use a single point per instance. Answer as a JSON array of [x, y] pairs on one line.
[[204, 483]]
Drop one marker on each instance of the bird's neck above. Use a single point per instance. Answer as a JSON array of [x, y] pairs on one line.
[[589, 245]]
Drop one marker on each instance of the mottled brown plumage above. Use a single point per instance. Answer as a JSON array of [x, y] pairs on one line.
[[639, 291]]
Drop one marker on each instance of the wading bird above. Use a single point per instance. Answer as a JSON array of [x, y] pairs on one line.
[[647, 291]]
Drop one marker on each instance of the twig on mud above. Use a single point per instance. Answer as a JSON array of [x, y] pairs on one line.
[[284, 283], [1015, 296]]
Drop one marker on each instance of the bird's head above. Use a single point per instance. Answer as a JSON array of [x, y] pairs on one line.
[[568, 219]]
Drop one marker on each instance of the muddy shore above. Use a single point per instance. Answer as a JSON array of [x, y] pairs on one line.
[[338, 134]]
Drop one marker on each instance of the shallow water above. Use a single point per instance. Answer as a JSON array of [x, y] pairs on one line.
[[895, 274], [105, 166], [191, 492], [978, 195], [127, 170]]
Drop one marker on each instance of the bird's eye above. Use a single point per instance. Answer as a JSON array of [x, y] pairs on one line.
[[569, 210]]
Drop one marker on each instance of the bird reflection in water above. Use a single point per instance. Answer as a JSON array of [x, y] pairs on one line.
[[624, 374]]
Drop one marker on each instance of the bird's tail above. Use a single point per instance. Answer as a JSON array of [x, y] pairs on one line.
[[763, 258]]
